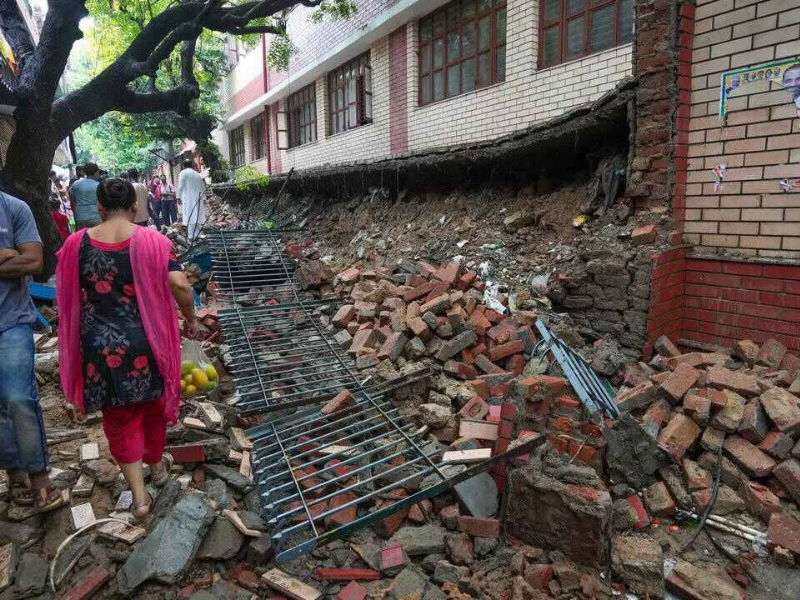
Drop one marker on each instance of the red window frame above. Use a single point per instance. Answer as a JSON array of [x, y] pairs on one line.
[[350, 95], [448, 28], [622, 23], [301, 109], [258, 138]]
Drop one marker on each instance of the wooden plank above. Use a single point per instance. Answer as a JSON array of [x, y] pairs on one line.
[[467, 457], [237, 522], [90, 451], [82, 515], [291, 587], [246, 466], [239, 439], [6, 565]]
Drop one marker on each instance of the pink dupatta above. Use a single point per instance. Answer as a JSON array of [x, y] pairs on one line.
[[149, 252]]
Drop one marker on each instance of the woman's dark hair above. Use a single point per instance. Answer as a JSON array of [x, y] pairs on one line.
[[116, 194]]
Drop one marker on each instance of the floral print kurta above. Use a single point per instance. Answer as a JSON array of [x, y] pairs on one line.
[[118, 364]]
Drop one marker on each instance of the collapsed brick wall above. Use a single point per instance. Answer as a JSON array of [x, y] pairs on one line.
[[611, 295]]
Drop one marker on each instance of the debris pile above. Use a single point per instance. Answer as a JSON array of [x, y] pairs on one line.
[[730, 421]]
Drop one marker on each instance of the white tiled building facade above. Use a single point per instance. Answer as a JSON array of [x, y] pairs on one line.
[[389, 32]]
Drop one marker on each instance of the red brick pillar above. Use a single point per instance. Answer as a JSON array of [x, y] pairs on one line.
[[398, 88]]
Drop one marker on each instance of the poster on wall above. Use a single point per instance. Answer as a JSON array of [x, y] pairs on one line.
[[784, 73]]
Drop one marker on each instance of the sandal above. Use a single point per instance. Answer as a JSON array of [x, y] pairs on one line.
[[53, 500], [166, 462], [141, 520], [21, 494]]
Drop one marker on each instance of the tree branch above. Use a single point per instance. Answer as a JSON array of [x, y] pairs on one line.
[[176, 99], [43, 70], [16, 33]]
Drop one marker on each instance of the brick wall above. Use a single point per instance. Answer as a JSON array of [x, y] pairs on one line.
[[527, 96], [749, 216], [245, 81], [737, 275]]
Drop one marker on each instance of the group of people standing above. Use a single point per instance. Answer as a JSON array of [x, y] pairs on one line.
[[117, 283]]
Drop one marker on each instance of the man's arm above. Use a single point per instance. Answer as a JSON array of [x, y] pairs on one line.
[[28, 261]]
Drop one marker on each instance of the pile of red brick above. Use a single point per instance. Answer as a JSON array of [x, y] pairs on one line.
[[421, 310], [745, 404]]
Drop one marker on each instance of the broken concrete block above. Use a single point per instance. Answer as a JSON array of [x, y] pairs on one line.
[[639, 562], [417, 541], [541, 508], [170, 547]]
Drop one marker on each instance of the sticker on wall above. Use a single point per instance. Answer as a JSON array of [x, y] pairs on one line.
[[792, 185], [719, 176], [785, 73]]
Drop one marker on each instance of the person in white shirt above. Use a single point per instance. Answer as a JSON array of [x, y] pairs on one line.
[[190, 193]]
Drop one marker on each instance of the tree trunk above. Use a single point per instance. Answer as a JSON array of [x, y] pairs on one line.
[[28, 162]]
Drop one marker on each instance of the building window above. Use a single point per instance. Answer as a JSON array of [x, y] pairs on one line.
[[350, 95], [258, 139], [236, 141], [302, 113], [462, 47], [570, 29], [234, 51]]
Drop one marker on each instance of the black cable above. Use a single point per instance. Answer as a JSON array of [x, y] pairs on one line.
[[709, 508]]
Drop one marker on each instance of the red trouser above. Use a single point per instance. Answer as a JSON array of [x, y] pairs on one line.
[[137, 432]]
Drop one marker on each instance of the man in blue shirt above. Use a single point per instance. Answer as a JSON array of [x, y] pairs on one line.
[[23, 447], [84, 197]]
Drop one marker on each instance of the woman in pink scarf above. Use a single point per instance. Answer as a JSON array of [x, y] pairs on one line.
[[119, 344]]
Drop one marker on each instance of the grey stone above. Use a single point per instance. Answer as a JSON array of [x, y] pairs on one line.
[[343, 338], [416, 541], [31, 576], [429, 563], [536, 366], [103, 470], [478, 495], [632, 454], [166, 553], [485, 546], [233, 478], [223, 541], [447, 572], [260, 550], [19, 533], [217, 491], [252, 521], [411, 580], [673, 479], [252, 502], [435, 416], [167, 497], [434, 593]]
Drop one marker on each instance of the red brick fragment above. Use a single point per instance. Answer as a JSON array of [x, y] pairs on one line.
[[340, 401], [479, 526], [644, 235], [87, 586], [771, 353], [333, 574], [352, 591]]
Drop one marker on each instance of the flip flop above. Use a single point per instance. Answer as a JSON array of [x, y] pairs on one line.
[[21, 494], [52, 501], [167, 461]]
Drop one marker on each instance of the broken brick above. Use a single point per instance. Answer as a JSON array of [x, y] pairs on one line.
[[507, 349], [664, 346], [340, 401], [658, 500], [761, 502], [771, 353], [748, 457], [754, 427], [344, 315], [393, 346], [778, 445], [476, 408], [679, 435], [741, 383], [352, 591], [644, 235], [788, 473], [679, 382], [479, 526], [88, 585], [784, 531], [783, 409], [697, 408]]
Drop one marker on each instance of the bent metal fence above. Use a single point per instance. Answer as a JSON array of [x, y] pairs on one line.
[[320, 475]]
